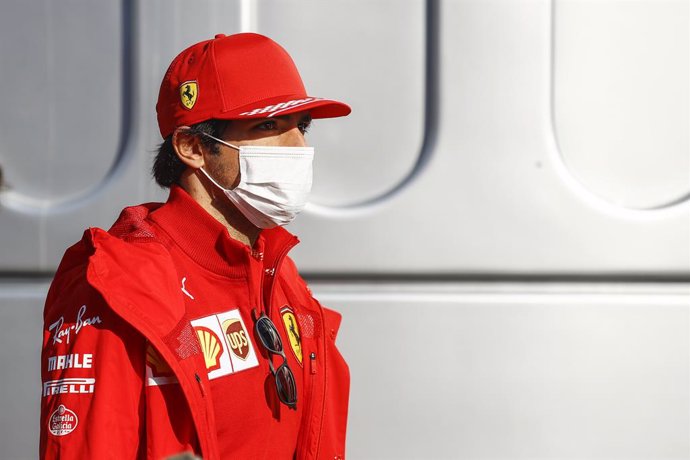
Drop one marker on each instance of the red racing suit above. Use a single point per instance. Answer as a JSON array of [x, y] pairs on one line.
[[119, 304]]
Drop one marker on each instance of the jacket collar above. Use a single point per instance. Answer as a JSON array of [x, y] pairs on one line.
[[206, 241]]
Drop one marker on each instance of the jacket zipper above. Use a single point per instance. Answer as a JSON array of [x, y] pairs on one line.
[[312, 363], [323, 390], [267, 303], [271, 272], [201, 385], [308, 408]]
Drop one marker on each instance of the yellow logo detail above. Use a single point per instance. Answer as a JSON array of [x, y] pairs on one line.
[[189, 92], [293, 333], [210, 345], [158, 366]]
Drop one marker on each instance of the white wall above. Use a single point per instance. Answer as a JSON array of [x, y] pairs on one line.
[[503, 220]]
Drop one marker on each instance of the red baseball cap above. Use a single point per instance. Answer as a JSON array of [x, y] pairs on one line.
[[233, 77]]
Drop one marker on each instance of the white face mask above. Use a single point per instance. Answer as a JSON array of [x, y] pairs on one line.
[[274, 182]]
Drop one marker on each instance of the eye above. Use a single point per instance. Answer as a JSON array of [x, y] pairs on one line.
[[267, 125], [304, 126]]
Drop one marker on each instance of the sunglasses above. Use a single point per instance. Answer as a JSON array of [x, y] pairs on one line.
[[285, 379]]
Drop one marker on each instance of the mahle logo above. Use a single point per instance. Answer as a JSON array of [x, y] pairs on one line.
[[237, 337], [189, 92]]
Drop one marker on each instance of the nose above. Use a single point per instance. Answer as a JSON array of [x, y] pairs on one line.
[[294, 138]]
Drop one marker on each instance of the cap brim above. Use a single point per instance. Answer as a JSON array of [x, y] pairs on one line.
[[277, 106]]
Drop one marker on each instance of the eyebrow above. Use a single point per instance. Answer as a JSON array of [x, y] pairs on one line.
[[305, 118]]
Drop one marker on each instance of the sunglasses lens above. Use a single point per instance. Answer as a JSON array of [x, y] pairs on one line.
[[285, 380], [285, 383], [268, 335]]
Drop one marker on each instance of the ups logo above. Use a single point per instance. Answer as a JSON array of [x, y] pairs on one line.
[[237, 338]]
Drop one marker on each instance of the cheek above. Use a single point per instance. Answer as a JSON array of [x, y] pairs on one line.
[[225, 169]]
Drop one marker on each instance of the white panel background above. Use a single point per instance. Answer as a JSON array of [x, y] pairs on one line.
[[498, 371], [465, 370], [439, 370]]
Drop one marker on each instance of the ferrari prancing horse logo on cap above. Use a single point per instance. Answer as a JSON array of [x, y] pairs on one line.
[[189, 91]]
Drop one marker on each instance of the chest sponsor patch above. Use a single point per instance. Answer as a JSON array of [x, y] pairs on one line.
[[226, 344], [62, 421], [292, 331], [237, 338], [211, 346]]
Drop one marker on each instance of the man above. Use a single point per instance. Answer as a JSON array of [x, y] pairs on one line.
[[185, 327]]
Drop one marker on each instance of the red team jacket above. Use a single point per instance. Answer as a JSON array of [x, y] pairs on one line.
[[149, 347]]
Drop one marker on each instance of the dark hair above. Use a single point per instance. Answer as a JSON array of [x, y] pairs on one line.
[[167, 167]]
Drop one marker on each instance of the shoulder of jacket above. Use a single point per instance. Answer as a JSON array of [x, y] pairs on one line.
[[101, 251], [289, 274], [332, 318]]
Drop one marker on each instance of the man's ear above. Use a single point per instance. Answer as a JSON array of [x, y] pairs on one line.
[[188, 147]]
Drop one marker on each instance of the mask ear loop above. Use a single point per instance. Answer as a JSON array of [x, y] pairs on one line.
[[205, 178], [205, 173], [208, 176], [221, 141]]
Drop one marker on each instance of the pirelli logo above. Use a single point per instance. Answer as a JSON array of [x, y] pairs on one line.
[[69, 386]]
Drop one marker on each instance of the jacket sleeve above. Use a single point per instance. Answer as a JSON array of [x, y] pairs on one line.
[[336, 399], [92, 369]]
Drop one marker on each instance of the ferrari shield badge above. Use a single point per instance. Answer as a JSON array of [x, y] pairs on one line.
[[293, 332], [189, 91]]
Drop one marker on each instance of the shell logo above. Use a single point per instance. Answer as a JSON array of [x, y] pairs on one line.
[[237, 337], [210, 346], [157, 364]]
